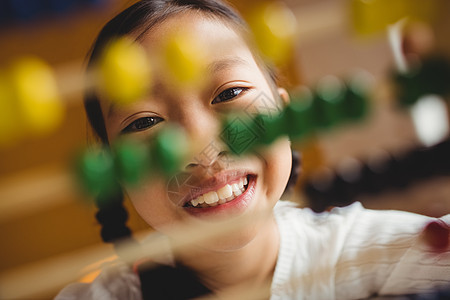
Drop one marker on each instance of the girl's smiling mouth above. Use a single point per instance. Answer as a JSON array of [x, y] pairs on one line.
[[232, 192]]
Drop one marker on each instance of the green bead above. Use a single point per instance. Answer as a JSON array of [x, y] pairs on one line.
[[299, 115], [97, 173], [239, 133], [356, 101], [132, 161], [431, 77], [169, 150], [435, 76], [407, 87], [328, 102], [273, 126]]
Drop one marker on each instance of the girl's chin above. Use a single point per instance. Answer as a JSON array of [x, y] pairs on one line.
[[231, 242]]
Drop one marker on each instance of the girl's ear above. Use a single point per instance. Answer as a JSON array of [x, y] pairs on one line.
[[284, 95]]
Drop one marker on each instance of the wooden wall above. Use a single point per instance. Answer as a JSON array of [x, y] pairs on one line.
[[58, 222]]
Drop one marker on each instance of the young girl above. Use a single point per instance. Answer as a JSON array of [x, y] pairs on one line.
[[348, 253]]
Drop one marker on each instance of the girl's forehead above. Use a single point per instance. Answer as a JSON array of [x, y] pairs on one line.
[[190, 21], [212, 35]]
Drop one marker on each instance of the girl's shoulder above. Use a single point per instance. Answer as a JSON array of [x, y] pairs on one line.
[[287, 210], [351, 226], [115, 282], [290, 211], [354, 221]]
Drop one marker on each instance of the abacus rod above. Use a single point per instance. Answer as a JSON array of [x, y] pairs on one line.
[[73, 79], [42, 187], [35, 190], [47, 275]]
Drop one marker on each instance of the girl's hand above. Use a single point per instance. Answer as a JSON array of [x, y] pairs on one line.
[[437, 235]]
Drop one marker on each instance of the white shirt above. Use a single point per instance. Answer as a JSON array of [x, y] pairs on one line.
[[355, 253], [349, 253]]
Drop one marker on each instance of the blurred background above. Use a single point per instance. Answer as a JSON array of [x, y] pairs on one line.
[[42, 214]]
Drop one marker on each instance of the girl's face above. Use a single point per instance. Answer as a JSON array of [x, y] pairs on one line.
[[232, 81]]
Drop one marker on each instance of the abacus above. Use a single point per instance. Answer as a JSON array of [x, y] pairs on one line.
[[313, 113]]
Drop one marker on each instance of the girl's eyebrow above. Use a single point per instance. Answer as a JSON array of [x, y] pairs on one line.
[[226, 63], [112, 109], [115, 108], [214, 67]]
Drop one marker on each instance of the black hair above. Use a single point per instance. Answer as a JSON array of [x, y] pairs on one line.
[[138, 19], [295, 171], [113, 216]]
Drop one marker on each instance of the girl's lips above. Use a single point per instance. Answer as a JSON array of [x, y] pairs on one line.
[[213, 184], [235, 206]]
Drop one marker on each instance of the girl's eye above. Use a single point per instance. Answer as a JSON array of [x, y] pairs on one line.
[[229, 94], [142, 124]]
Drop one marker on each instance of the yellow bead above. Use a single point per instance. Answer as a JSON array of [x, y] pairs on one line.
[[10, 121], [36, 92], [124, 71], [369, 16], [184, 59], [274, 27], [373, 16]]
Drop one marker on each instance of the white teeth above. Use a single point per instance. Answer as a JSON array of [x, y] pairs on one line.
[[225, 192], [236, 189], [198, 201], [211, 197], [221, 196], [241, 184]]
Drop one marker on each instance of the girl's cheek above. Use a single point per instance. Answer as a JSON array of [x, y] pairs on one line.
[[278, 159], [151, 202]]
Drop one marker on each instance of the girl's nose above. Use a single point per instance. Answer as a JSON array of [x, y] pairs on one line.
[[202, 127], [212, 156]]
